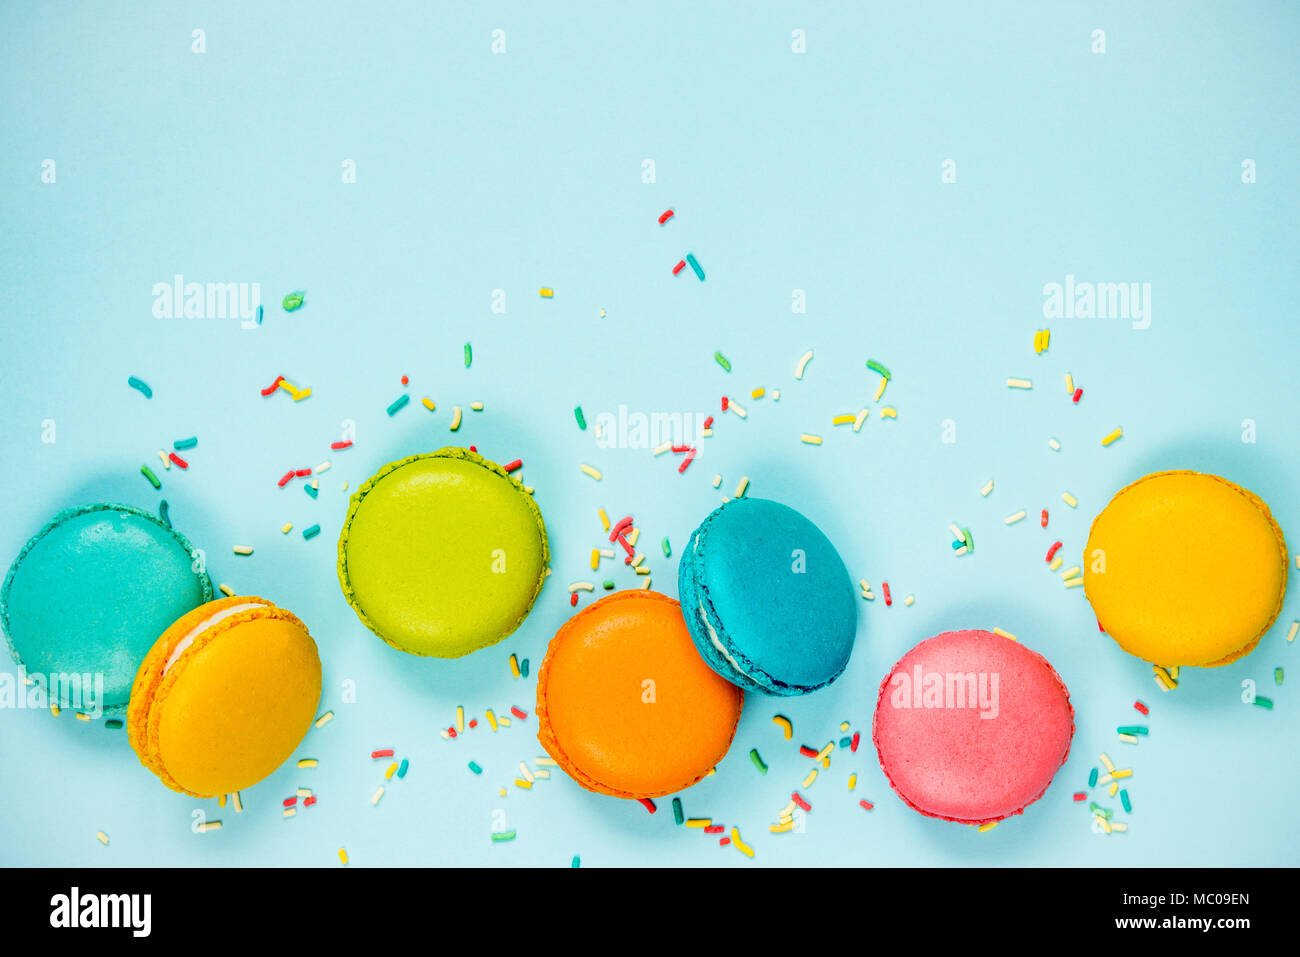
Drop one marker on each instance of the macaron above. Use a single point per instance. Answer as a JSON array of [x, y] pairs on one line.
[[90, 593], [224, 696], [767, 598], [1185, 568], [626, 707], [971, 726], [442, 554]]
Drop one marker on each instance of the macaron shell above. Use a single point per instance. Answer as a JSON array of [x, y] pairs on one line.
[[93, 590], [766, 583], [1195, 569], [951, 763], [235, 704], [442, 554], [626, 706]]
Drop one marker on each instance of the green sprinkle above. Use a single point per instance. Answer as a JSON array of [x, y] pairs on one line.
[[678, 816], [576, 862], [293, 301], [668, 551], [1092, 778], [722, 360], [503, 836], [1096, 808], [310, 491], [1123, 799], [469, 355], [140, 386], [758, 761], [182, 444], [970, 539], [1278, 675], [875, 366], [148, 473], [608, 584], [311, 532], [1131, 729], [473, 766], [846, 742], [113, 724], [164, 514], [523, 668], [1264, 702], [699, 273], [582, 424], [399, 403], [401, 770]]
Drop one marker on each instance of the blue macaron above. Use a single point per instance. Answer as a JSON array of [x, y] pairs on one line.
[[88, 596], [767, 598]]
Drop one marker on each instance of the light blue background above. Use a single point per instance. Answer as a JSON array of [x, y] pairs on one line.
[[818, 172]]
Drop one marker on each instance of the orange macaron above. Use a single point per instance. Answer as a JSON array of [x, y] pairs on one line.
[[627, 706]]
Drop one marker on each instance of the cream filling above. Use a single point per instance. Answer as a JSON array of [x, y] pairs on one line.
[[204, 626], [708, 625]]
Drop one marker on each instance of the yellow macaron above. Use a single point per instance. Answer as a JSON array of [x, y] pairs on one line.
[[225, 696], [1185, 568]]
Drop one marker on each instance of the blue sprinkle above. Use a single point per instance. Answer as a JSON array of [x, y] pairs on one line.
[[140, 386], [398, 403]]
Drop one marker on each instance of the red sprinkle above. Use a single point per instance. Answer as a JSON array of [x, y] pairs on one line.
[[690, 457], [517, 713], [1099, 628], [724, 403], [382, 753], [177, 460], [1052, 551], [800, 801], [806, 751], [884, 586], [627, 547], [617, 532], [1141, 707], [665, 216], [473, 722], [340, 445], [681, 264], [308, 802], [290, 802], [511, 466], [285, 481], [854, 746], [708, 423], [648, 804], [1078, 394], [573, 599], [273, 386], [451, 732], [867, 805], [1080, 795], [714, 829], [724, 841], [1043, 520], [679, 449], [405, 381], [302, 472]]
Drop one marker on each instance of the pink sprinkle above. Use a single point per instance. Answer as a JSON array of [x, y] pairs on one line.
[[382, 753], [866, 805], [340, 445], [690, 457], [617, 531]]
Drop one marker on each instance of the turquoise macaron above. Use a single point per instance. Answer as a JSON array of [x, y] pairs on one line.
[[767, 599], [88, 596]]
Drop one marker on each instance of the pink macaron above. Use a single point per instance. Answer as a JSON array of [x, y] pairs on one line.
[[971, 727]]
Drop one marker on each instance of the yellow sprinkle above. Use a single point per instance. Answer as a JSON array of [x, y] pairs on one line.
[[286, 528], [209, 826], [1069, 384], [1173, 671], [227, 591], [323, 467], [808, 781], [635, 534], [640, 557], [1112, 437], [889, 412], [345, 486], [581, 586], [844, 726], [588, 470], [985, 828], [1069, 500], [524, 772], [243, 549], [541, 773], [304, 792], [1054, 445], [960, 551], [1074, 582], [1164, 677], [1119, 826], [717, 481], [308, 763], [476, 406], [782, 722], [809, 439], [853, 781], [103, 838], [1013, 518], [1070, 573], [221, 800], [846, 419], [392, 769], [1105, 824], [781, 828], [290, 812], [167, 463], [460, 709], [880, 389], [604, 519], [758, 393], [503, 721], [740, 489], [911, 598], [861, 417], [643, 571], [455, 417], [343, 857], [803, 364], [491, 719], [502, 792], [1291, 633], [429, 404], [699, 822], [606, 552], [237, 800], [521, 783], [82, 716], [734, 406], [1019, 384], [324, 719], [646, 584], [315, 484], [374, 800], [1056, 563], [54, 710], [987, 488], [741, 845], [1105, 760], [1004, 634], [546, 293], [1129, 738]]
